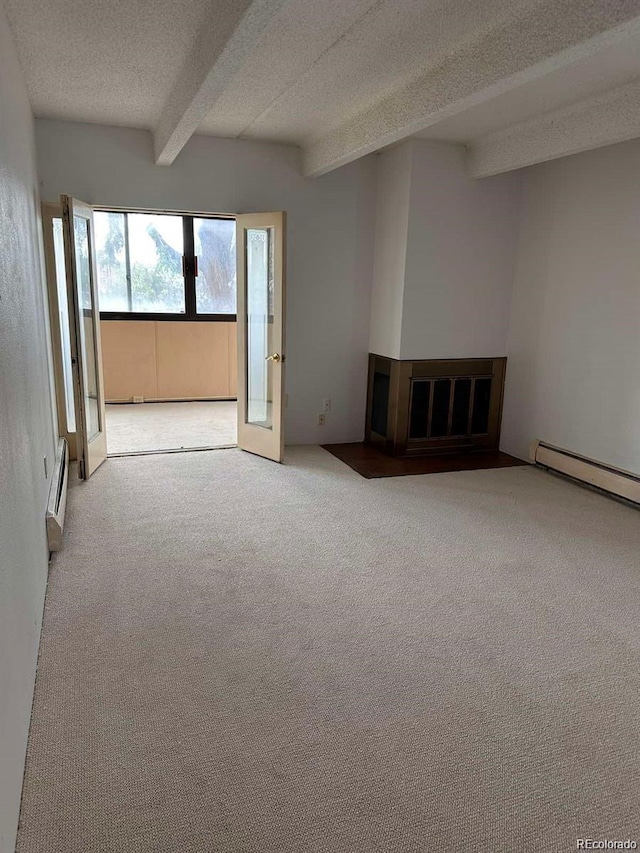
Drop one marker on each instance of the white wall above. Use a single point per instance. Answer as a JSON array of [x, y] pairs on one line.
[[393, 196], [460, 257], [444, 255], [330, 238], [573, 376], [26, 432]]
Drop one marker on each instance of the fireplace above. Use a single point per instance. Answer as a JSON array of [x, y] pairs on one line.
[[434, 406]]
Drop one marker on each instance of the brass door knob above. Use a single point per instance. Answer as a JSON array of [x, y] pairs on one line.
[[275, 357]]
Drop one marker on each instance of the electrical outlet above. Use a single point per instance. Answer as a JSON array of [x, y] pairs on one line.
[[138, 399], [321, 419], [326, 404]]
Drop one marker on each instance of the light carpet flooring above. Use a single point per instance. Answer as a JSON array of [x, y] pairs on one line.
[[242, 657], [135, 427]]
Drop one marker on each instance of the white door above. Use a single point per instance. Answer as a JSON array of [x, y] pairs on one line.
[[59, 322], [260, 242], [82, 289]]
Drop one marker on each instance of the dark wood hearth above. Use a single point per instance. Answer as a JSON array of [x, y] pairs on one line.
[[371, 463]]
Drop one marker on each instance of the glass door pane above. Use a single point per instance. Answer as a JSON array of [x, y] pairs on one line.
[[259, 322], [88, 320], [63, 321]]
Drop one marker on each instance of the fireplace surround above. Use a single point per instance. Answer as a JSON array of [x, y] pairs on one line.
[[435, 405]]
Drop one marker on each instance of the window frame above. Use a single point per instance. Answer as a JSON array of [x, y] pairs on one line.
[[190, 314]]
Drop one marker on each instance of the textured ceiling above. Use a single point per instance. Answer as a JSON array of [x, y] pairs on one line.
[[341, 78], [348, 56], [614, 66], [108, 61]]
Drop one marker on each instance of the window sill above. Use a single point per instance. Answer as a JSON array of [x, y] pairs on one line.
[[182, 318]]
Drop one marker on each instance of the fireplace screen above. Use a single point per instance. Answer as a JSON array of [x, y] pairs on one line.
[[449, 407]]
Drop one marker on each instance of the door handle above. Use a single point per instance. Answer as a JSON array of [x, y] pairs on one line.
[[275, 357]]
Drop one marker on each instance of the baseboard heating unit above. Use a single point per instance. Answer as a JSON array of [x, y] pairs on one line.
[[619, 483], [58, 497]]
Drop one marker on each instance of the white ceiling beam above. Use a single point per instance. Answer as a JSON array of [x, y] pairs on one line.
[[543, 37], [222, 46], [613, 116]]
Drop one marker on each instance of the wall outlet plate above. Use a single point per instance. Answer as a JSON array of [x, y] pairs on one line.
[[321, 419], [138, 399], [326, 404]]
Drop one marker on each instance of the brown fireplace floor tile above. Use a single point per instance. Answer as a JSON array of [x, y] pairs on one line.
[[371, 463]]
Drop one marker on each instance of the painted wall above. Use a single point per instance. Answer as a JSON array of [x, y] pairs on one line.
[[460, 257], [393, 196], [330, 239], [26, 432], [574, 343], [444, 255], [165, 360]]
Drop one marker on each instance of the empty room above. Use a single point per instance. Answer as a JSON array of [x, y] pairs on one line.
[[319, 445]]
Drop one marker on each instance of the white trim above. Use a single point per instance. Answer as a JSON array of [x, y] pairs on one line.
[[57, 504]]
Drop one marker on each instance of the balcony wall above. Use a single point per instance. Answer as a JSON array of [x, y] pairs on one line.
[[165, 360]]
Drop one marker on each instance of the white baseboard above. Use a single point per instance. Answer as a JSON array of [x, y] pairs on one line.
[[623, 484], [57, 504]]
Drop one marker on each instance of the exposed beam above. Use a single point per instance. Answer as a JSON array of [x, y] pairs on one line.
[[543, 37], [602, 120], [222, 46]]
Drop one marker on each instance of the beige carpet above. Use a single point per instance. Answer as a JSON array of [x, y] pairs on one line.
[[241, 657], [136, 427]]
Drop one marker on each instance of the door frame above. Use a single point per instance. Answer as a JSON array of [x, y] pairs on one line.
[[50, 211], [91, 452]]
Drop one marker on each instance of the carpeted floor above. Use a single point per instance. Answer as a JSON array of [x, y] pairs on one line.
[[137, 427], [242, 657]]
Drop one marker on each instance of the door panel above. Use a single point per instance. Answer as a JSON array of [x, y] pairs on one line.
[[261, 299], [82, 292]]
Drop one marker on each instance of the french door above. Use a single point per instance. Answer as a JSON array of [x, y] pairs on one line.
[[86, 361], [60, 324], [260, 245]]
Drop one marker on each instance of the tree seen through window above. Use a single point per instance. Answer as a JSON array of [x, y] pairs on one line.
[[139, 259]]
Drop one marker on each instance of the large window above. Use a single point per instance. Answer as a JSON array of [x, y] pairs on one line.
[[165, 266]]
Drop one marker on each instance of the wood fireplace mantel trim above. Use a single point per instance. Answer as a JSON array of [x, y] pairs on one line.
[[402, 374]]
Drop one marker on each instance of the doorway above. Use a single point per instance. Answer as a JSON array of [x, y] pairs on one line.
[[166, 339], [167, 293]]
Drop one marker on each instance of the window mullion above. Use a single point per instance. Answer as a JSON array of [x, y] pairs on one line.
[[189, 266], [127, 255]]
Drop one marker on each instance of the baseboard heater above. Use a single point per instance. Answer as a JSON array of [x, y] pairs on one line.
[[619, 483], [58, 497]]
